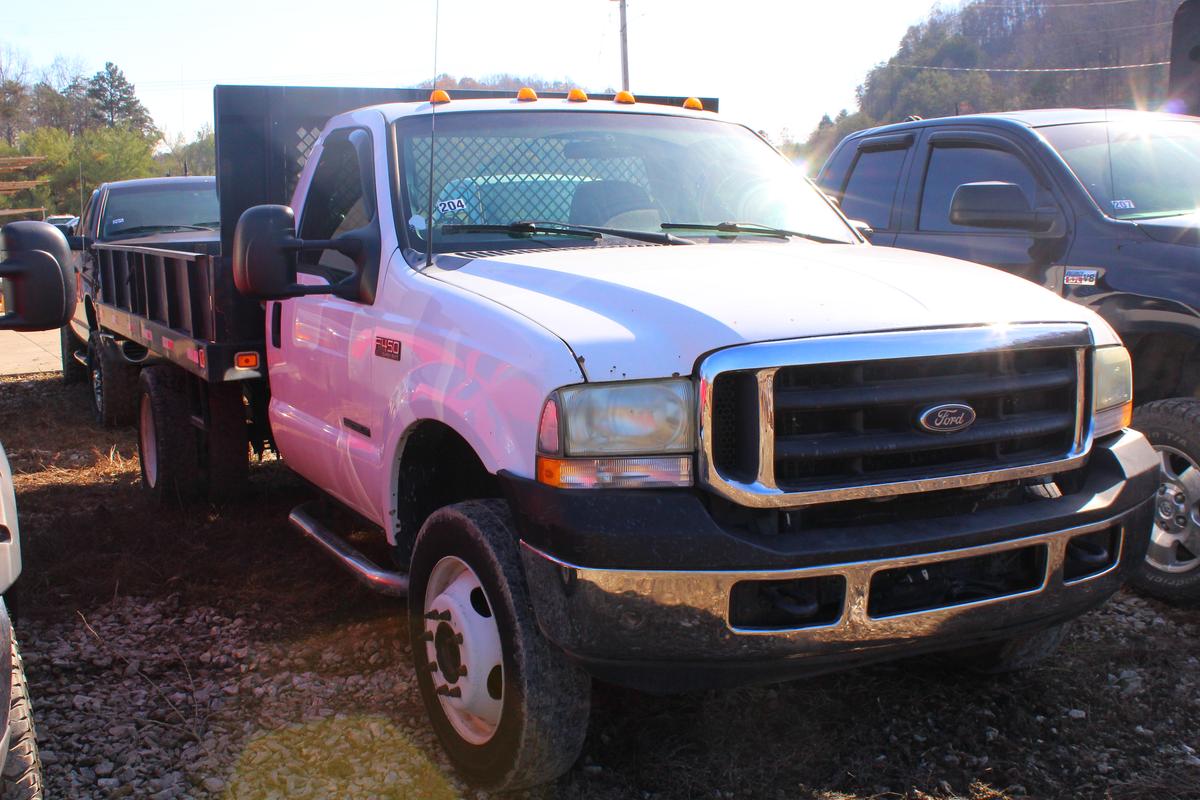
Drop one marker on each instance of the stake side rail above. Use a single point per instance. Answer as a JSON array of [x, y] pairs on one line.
[[170, 302]]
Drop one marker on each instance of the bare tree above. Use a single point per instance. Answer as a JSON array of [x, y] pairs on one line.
[[14, 93]]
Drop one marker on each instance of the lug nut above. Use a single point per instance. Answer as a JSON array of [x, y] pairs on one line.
[[438, 615], [446, 691], [1180, 521], [1179, 497]]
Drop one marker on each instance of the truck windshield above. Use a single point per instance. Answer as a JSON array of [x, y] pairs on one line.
[[161, 208], [622, 171], [1134, 171]]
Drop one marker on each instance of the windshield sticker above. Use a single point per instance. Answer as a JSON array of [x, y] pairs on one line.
[[1123, 205], [1080, 277], [450, 206], [118, 220]]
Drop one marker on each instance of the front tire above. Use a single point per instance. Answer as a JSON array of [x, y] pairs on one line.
[[510, 709], [1171, 571], [114, 383], [22, 775], [166, 438], [72, 371]]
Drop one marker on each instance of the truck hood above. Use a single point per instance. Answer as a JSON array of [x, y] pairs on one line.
[[652, 311], [1183, 229]]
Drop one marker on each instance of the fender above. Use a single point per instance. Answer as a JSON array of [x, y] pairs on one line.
[[469, 363]]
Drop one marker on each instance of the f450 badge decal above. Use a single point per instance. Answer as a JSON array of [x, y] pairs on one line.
[[387, 348], [1080, 277]]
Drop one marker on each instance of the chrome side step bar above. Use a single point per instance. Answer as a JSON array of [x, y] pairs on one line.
[[370, 574]]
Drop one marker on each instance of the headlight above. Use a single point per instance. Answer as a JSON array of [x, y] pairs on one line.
[[618, 435], [1112, 390]]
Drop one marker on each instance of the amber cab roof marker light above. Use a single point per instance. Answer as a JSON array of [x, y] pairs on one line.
[[625, 97], [526, 95], [438, 96], [577, 96], [694, 104]]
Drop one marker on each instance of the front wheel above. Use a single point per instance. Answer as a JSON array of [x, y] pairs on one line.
[[114, 383], [510, 709], [22, 776], [1171, 570], [72, 370]]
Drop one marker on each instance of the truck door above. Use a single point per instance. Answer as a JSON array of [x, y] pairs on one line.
[[81, 266], [869, 192], [950, 158], [321, 347]]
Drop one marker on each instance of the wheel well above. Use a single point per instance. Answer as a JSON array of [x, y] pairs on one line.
[[1164, 365], [437, 467]]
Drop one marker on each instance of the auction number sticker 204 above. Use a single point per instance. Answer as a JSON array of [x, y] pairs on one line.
[[450, 206]]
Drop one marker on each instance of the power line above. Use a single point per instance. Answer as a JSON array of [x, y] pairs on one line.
[[1030, 69]]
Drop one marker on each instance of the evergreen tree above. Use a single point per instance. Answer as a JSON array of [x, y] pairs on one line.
[[116, 102]]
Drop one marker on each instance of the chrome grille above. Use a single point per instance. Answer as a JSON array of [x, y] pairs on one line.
[[813, 420]]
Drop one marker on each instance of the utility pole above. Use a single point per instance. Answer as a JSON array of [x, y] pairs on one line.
[[624, 50]]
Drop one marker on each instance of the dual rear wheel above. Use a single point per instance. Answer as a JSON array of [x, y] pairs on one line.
[[180, 462]]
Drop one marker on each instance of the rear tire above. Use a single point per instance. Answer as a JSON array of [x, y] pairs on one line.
[[521, 710], [1012, 654], [167, 439], [1171, 570], [22, 764], [72, 370], [114, 383]]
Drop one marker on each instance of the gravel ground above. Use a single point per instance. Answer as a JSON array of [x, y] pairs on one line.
[[215, 655]]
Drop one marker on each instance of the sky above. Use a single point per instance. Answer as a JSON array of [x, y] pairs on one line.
[[777, 65]]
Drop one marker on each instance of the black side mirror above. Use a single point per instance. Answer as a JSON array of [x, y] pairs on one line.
[[78, 242], [38, 292], [264, 255], [996, 204]]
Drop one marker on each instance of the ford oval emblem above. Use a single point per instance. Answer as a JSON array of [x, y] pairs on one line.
[[947, 418]]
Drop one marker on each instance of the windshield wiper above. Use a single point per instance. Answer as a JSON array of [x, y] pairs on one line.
[[526, 227], [753, 228]]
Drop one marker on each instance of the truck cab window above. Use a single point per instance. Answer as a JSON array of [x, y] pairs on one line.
[[871, 187], [951, 167], [334, 205]]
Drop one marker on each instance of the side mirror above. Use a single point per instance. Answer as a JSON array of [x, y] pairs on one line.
[[78, 242], [37, 291], [264, 255], [996, 204]]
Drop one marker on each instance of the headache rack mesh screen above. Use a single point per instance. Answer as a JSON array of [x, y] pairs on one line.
[[497, 180]]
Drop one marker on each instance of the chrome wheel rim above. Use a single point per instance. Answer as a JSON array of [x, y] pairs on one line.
[[1175, 538], [148, 441], [463, 650]]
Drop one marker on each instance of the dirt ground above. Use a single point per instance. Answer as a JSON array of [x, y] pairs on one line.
[[214, 654]]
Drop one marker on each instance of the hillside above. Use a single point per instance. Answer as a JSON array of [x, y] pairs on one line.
[[947, 64]]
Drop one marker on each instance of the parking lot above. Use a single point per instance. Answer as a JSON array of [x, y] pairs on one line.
[[213, 654]]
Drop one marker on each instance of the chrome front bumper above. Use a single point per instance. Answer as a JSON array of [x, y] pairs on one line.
[[672, 616]]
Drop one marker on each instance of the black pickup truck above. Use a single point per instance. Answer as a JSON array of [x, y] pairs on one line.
[[167, 213], [1100, 206]]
